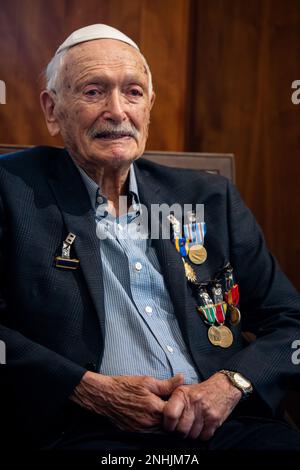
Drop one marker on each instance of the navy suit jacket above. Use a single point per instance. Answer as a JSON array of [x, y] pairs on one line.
[[53, 320]]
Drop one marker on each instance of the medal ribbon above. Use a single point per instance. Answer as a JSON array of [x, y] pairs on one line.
[[195, 232], [214, 313], [209, 313], [232, 297], [221, 310], [182, 246]]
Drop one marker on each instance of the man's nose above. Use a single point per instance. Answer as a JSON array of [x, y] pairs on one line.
[[114, 107]]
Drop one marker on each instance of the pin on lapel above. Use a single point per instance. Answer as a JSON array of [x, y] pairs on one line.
[[64, 261]]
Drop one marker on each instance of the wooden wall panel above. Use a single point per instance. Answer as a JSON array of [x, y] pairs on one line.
[[246, 57], [31, 30], [165, 30], [222, 72]]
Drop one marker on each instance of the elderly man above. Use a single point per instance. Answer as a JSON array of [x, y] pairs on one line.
[[119, 342]]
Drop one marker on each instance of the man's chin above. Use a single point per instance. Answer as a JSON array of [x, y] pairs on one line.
[[124, 149]]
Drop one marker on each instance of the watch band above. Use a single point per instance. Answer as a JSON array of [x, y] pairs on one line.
[[239, 381]]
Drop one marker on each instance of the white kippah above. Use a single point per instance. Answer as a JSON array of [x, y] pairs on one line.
[[95, 31]]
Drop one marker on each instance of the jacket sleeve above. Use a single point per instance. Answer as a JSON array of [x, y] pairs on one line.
[[35, 381], [270, 307]]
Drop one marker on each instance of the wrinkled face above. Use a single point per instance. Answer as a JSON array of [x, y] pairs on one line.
[[102, 104]]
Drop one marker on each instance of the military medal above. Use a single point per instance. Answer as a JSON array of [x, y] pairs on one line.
[[220, 336], [232, 296], [234, 315], [226, 336], [214, 315], [64, 261], [214, 335], [213, 312], [182, 246], [197, 254], [208, 311], [195, 232], [206, 307]]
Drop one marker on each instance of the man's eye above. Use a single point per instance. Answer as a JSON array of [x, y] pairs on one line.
[[92, 92], [135, 92]]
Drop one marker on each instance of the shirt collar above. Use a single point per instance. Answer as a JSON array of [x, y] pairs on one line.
[[94, 190]]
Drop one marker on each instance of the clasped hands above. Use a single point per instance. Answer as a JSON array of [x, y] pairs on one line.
[[148, 405]]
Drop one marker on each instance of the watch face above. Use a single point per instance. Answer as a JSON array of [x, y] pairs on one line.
[[241, 381]]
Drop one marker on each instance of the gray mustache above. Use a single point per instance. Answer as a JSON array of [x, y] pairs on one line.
[[113, 130]]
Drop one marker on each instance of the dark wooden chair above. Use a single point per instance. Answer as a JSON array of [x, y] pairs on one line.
[[220, 163]]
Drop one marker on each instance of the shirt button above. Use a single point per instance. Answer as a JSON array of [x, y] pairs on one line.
[[148, 309], [138, 266], [99, 199], [170, 349]]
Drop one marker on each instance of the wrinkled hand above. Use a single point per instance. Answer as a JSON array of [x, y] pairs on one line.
[[133, 403], [198, 410]]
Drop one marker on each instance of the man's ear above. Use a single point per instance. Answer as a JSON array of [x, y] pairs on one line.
[[153, 96], [48, 104]]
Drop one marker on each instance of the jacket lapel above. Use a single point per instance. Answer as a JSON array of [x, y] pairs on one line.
[[170, 260], [78, 215], [192, 326]]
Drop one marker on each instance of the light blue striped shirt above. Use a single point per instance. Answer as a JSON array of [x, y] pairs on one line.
[[142, 335]]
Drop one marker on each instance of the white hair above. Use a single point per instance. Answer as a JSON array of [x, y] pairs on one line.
[[53, 71]]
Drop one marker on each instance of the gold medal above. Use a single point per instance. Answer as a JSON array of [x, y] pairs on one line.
[[197, 254], [235, 315], [220, 336], [214, 335], [226, 336]]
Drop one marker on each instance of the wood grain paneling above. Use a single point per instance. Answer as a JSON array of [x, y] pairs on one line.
[[222, 72], [246, 57], [165, 27], [31, 30]]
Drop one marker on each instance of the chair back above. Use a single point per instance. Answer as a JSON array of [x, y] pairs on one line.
[[219, 163]]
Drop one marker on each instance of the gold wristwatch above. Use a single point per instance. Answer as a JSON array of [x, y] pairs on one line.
[[239, 381]]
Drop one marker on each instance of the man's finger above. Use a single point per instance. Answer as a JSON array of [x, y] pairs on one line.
[[172, 412], [186, 422], [197, 428], [166, 387], [207, 433]]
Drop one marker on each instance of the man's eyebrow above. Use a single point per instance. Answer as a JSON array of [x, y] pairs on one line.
[[105, 80], [133, 79], [90, 80]]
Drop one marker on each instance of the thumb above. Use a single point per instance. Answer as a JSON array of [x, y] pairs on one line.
[[166, 387]]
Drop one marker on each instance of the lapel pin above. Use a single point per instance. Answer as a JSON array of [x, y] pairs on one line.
[[64, 261]]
